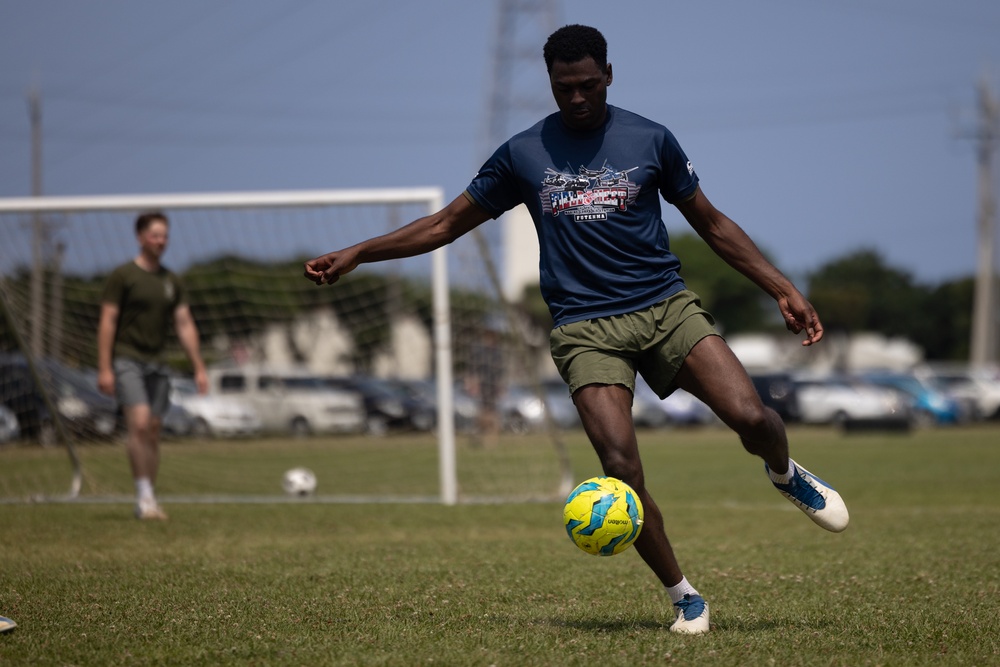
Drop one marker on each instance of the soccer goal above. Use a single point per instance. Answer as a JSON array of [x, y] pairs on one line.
[[413, 328]]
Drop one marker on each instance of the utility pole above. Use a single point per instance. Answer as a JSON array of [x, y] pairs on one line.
[[56, 327], [38, 230], [983, 348]]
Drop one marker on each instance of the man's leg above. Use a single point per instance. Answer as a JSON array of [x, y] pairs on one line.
[[713, 373], [143, 454], [606, 413], [142, 445], [155, 428]]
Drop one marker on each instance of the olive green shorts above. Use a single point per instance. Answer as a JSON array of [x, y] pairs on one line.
[[653, 341]]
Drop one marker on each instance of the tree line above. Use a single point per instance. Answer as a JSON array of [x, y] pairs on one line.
[[858, 292]]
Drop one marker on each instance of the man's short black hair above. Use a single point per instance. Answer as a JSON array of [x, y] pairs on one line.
[[146, 219], [572, 43]]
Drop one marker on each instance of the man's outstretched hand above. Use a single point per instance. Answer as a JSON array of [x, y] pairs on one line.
[[327, 269]]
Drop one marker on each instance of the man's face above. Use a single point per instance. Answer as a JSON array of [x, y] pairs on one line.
[[153, 239], [581, 92]]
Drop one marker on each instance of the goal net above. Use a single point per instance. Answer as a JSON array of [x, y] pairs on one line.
[[383, 385]]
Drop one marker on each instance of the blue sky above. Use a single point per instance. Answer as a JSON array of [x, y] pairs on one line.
[[820, 127]]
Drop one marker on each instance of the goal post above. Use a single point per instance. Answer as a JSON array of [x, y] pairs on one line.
[[239, 256]]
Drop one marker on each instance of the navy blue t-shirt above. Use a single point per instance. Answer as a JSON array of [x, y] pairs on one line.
[[594, 199]]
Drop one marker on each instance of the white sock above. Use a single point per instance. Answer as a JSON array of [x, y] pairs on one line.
[[678, 591], [144, 490], [785, 478]]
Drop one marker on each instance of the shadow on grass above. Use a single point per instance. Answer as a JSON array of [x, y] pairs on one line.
[[609, 625], [741, 625]]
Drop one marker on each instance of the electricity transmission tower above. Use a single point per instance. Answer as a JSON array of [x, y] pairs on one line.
[[985, 311], [518, 94], [517, 98]]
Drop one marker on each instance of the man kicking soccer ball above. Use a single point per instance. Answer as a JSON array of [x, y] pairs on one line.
[[592, 175]]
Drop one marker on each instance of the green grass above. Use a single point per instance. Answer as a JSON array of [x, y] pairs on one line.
[[404, 465], [913, 581]]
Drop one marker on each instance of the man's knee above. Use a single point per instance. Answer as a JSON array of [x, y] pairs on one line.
[[752, 414], [139, 420], [750, 418], [761, 431]]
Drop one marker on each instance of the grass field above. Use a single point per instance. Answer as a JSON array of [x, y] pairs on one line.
[[915, 579]]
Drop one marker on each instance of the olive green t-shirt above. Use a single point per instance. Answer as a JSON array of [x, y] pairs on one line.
[[146, 302]]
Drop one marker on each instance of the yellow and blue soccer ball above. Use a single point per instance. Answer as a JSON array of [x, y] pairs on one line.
[[603, 516]]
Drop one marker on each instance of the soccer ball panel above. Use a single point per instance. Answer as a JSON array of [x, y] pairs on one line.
[[603, 516]]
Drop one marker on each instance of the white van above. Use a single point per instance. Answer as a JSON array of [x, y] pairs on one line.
[[290, 400]]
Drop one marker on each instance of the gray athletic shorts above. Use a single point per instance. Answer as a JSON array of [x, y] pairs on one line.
[[653, 341], [142, 383]]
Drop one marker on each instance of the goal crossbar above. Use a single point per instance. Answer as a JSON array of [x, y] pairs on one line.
[[71, 204]]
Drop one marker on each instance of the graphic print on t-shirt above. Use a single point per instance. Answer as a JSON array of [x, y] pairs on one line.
[[587, 194]]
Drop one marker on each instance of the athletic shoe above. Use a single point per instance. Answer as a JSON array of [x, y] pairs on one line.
[[149, 511], [816, 498], [6, 624], [692, 616]]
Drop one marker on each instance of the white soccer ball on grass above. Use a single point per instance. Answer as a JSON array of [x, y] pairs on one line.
[[299, 482]]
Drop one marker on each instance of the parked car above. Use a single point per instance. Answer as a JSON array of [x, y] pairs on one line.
[[466, 406], [177, 422], [18, 393], [87, 413], [388, 405], [977, 387], [851, 404], [9, 428], [291, 400], [777, 391], [523, 410], [209, 415], [929, 403], [679, 408], [647, 410]]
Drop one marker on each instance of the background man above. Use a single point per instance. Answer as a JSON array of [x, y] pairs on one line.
[[140, 300]]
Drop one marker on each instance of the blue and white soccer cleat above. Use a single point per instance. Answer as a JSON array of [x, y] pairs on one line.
[[816, 498], [6, 624], [692, 616]]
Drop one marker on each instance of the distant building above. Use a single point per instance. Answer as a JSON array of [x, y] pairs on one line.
[[520, 253]]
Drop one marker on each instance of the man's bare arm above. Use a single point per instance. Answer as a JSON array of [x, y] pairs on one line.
[[187, 333], [420, 236], [105, 345], [732, 244]]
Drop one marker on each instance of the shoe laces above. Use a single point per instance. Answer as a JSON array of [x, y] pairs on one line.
[[802, 492], [692, 606]]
